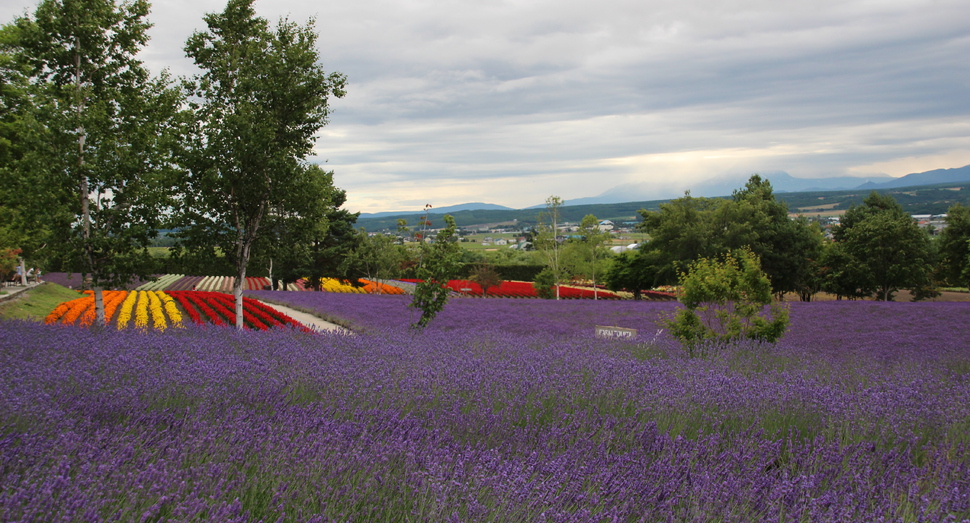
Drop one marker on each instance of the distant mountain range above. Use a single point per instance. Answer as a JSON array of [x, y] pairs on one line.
[[781, 182], [476, 206]]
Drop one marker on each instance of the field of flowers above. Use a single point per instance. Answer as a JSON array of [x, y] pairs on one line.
[[500, 410], [160, 310]]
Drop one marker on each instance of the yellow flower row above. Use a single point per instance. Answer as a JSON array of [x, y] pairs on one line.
[[141, 310], [155, 308], [171, 310], [335, 285], [126, 309], [149, 304]]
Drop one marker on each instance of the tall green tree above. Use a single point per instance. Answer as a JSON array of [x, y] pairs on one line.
[[327, 252], [680, 232], [546, 239], [99, 158], [587, 257], [376, 257], [954, 246], [633, 271], [888, 242], [786, 246], [258, 103], [842, 274], [15, 128], [294, 225]]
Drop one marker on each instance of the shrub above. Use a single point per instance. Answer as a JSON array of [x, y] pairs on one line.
[[726, 301], [544, 284]]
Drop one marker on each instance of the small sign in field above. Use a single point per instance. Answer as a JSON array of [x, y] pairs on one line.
[[615, 332]]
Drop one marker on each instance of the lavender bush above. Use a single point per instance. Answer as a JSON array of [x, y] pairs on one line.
[[501, 410]]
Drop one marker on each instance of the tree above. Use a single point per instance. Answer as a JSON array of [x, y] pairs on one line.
[[261, 98], [546, 239], [16, 111], [376, 257], [888, 242], [687, 229], [785, 246], [587, 257], [545, 284], [680, 232], [293, 227], [842, 274], [954, 248], [632, 271], [439, 263], [99, 157], [725, 301], [485, 275]]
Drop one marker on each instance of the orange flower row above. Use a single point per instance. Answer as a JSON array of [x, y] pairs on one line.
[[373, 287], [111, 301]]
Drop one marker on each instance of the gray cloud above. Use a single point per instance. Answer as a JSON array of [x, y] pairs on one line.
[[510, 101]]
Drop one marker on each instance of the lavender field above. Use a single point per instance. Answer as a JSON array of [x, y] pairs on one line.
[[501, 410]]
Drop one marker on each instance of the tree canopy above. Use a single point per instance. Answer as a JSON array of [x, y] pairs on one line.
[[954, 246], [687, 229], [879, 236]]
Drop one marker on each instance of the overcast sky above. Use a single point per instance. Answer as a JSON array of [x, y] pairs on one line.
[[509, 102]]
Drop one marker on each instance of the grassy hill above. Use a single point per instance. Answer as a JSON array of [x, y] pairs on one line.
[[35, 304]]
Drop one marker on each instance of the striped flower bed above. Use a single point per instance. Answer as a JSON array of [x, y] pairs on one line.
[[219, 308], [146, 308], [161, 310], [162, 283]]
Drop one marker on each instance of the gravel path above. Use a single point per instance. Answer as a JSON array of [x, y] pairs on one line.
[[309, 320]]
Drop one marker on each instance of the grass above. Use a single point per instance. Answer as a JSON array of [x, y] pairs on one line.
[[35, 304]]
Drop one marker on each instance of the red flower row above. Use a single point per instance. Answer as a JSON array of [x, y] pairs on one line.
[[219, 308], [523, 289]]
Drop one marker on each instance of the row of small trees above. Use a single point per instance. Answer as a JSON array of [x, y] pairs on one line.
[[98, 155], [876, 249]]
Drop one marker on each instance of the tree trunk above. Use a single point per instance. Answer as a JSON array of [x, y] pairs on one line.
[[99, 318], [23, 272], [237, 288]]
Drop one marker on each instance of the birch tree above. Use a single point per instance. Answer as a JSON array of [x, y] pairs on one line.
[[260, 100], [98, 159]]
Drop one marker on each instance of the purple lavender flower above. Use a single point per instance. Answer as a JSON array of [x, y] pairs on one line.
[[502, 410]]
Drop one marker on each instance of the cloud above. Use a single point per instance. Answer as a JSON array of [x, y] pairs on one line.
[[509, 101]]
